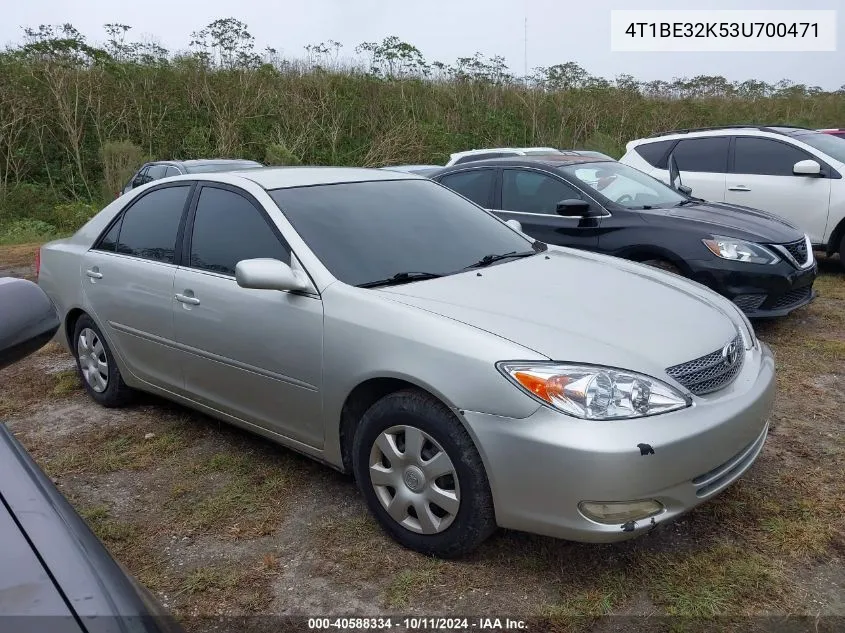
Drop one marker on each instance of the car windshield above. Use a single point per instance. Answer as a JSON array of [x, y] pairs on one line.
[[218, 167], [364, 232], [626, 186], [831, 145]]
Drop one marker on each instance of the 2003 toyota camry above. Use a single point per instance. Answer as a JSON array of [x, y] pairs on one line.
[[467, 375]]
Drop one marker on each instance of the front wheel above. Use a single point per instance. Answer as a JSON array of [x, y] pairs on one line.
[[421, 475], [663, 264]]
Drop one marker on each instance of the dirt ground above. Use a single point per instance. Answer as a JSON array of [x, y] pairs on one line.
[[218, 522]]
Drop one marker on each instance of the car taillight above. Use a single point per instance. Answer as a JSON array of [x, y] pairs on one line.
[[37, 263]]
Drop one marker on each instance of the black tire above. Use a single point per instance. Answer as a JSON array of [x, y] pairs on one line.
[[116, 392], [663, 264], [475, 519], [842, 252]]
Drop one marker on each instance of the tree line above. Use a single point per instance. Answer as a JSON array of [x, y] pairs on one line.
[[77, 117]]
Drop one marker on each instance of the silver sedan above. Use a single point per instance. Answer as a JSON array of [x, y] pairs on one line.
[[467, 375]]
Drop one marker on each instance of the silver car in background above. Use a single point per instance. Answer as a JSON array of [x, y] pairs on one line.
[[467, 375]]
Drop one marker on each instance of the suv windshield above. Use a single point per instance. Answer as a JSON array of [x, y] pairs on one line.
[[828, 143], [626, 186], [364, 232]]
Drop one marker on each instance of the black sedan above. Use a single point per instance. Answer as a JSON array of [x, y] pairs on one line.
[[763, 264], [54, 573]]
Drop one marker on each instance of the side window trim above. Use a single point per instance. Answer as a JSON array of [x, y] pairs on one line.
[[826, 169], [119, 219], [188, 228], [586, 196]]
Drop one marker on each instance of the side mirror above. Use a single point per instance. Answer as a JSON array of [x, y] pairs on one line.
[[807, 168], [269, 274], [573, 207], [684, 189], [516, 225], [28, 319]]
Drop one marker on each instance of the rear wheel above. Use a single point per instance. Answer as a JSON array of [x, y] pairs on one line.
[[842, 251], [96, 365], [421, 475]]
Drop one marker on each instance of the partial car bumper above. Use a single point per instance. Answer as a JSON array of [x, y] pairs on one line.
[[760, 291], [540, 468]]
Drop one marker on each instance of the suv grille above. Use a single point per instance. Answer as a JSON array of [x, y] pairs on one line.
[[798, 250], [711, 372]]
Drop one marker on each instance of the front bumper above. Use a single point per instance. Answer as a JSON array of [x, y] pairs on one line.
[[759, 290], [541, 467]]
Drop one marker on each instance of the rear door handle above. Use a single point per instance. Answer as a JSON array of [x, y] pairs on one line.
[[94, 274], [186, 299], [739, 188]]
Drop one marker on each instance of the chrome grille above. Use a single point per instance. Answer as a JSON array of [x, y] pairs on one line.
[[710, 372], [790, 298], [798, 250]]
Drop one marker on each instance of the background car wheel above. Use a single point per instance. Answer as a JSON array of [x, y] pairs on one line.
[[663, 265], [96, 366], [421, 475]]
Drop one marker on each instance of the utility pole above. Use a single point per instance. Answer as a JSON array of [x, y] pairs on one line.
[[525, 51]]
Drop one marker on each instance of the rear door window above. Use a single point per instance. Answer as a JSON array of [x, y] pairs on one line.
[[475, 184], [150, 226], [708, 154]]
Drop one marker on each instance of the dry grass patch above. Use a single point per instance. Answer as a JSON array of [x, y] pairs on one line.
[[725, 579], [237, 492], [108, 450], [18, 255]]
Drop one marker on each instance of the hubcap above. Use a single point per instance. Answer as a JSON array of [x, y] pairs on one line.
[[414, 480], [92, 360]]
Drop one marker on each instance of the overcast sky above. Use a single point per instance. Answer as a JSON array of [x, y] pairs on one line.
[[558, 31]]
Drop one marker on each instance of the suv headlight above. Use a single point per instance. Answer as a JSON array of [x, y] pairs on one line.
[[592, 392], [740, 251]]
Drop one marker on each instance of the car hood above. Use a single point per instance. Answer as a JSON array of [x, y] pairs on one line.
[[730, 220], [575, 306]]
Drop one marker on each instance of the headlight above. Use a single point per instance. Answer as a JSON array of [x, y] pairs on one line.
[[739, 251], [592, 392]]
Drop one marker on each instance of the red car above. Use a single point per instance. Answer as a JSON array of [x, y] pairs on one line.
[[836, 131]]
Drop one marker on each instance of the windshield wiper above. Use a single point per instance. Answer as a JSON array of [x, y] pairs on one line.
[[490, 259], [684, 203], [399, 278]]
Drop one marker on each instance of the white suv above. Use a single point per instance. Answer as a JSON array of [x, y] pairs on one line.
[[794, 173]]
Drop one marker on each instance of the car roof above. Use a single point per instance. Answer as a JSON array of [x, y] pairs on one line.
[[515, 150], [284, 177], [719, 130], [551, 161]]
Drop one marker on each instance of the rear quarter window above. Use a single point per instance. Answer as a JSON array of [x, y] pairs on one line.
[[655, 153]]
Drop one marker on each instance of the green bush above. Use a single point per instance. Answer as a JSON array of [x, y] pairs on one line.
[[277, 154], [27, 230], [68, 217], [121, 159]]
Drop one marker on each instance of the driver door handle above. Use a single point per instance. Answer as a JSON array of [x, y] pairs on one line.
[[94, 274], [186, 299], [739, 188]]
